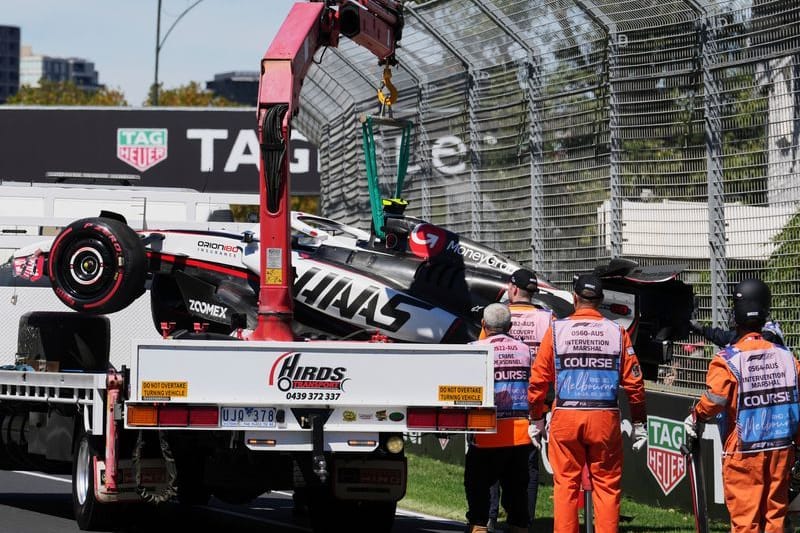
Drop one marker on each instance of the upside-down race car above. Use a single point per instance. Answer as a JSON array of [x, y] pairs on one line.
[[421, 283]]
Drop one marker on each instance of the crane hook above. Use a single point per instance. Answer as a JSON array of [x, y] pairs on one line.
[[391, 98]]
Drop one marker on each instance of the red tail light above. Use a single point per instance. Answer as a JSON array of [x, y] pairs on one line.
[[173, 415], [620, 309], [421, 417], [452, 418], [455, 419], [203, 416]]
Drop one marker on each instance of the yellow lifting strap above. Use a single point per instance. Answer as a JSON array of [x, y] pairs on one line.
[[383, 98]]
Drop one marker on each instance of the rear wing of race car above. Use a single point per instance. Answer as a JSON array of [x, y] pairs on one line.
[[272, 389], [652, 303]]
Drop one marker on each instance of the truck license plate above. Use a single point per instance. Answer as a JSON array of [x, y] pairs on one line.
[[260, 417]]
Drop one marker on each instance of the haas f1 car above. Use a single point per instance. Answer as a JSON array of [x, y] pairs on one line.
[[421, 283]]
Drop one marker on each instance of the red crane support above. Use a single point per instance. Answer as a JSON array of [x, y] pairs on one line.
[[374, 24]]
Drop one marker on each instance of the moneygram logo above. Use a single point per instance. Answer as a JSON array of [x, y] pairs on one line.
[[142, 148], [664, 458]]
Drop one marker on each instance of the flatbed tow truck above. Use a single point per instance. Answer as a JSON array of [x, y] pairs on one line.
[[200, 413]]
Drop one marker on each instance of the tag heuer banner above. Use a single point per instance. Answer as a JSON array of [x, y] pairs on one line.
[[664, 458], [141, 148], [209, 150]]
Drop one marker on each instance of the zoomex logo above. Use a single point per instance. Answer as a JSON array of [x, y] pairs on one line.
[[207, 309], [288, 372]]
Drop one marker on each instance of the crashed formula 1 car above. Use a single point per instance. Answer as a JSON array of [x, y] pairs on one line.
[[421, 283]]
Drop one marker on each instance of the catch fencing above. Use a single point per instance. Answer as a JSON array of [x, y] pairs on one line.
[[565, 133]]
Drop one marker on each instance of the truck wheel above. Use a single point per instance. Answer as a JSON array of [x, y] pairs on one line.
[[192, 489], [195, 493], [359, 516], [375, 516], [5, 459], [90, 514], [97, 265]]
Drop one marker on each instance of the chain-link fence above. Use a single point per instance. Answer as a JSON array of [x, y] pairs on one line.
[[568, 132]]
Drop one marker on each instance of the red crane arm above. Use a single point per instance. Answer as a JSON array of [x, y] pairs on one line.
[[376, 25]]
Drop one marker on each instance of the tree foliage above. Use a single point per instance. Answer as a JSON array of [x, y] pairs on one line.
[[66, 93], [189, 95], [781, 274]]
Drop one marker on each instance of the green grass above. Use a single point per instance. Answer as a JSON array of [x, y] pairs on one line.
[[437, 488]]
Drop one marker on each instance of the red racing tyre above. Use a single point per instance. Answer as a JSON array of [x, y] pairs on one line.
[[97, 265]]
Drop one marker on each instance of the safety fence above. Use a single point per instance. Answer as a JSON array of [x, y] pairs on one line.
[[569, 132]]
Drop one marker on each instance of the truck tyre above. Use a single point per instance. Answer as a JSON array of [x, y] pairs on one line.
[[357, 516], [5, 457], [193, 493], [97, 265], [192, 489], [73, 340], [90, 514]]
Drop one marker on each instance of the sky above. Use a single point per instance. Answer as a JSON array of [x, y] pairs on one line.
[[119, 37]]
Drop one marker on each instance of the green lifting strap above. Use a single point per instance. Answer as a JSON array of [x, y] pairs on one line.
[[371, 160]]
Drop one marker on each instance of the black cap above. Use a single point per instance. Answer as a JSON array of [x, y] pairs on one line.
[[525, 280], [588, 286]]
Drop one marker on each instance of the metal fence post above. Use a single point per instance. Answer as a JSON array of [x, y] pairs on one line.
[[707, 27], [615, 185], [615, 181], [424, 143], [472, 125], [324, 154], [716, 192], [533, 80]]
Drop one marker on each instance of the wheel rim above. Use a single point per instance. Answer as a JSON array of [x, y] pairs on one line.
[[86, 266], [82, 472], [88, 269]]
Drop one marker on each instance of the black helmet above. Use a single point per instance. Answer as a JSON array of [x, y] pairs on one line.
[[751, 302], [753, 289]]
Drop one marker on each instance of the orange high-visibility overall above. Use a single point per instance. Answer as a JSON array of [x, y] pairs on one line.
[[588, 357], [754, 384]]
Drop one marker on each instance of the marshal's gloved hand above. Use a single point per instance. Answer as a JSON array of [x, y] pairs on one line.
[[639, 436], [696, 327], [690, 426], [535, 432]]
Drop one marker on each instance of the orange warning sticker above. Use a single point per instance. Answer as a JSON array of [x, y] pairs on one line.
[[460, 393], [164, 390]]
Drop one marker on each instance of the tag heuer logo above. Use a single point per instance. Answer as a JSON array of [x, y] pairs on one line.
[[142, 148], [664, 458]]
